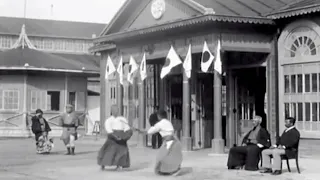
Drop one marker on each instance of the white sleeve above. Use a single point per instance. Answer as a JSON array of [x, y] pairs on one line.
[[125, 124], [154, 129], [107, 125]]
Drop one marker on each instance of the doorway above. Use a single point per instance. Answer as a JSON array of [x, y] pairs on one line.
[[249, 95]]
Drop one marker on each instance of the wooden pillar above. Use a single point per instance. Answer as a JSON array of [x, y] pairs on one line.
[[217, 142], [120, 96], [272, 91], [25, 104], [231, 134], [66, 92], [142, 113], [186, 109]]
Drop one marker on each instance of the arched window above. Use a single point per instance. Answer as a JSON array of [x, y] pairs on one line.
[[301, 42]]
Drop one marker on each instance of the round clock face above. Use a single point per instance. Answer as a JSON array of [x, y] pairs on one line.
[[157, 8]]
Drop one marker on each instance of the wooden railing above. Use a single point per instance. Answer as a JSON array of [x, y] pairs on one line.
[[7, 120]]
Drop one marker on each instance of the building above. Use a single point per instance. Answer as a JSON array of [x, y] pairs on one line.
[[270, 66], [53, 69]]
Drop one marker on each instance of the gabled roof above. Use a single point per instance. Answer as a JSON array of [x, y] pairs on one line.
[[296, 8], [50, 28], [224, 9]]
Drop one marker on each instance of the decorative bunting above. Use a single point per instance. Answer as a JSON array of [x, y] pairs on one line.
[[133, 66], [120, 71], [207, 58], [143, 67], [172, 60], [109, 68], [187, 64], [217, 63]]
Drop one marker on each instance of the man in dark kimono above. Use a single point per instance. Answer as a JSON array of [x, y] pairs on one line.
[[253, 143], [156, 140], [69, 122], [287, 145]]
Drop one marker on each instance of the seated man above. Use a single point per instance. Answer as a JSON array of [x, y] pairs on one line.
[[248, 154], [287, 145]]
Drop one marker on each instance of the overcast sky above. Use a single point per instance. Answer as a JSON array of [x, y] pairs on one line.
[[99, 11]]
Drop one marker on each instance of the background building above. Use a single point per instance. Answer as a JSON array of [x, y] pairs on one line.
[[63, 40]]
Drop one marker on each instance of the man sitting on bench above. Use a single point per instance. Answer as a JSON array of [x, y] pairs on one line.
[[287, 145], [248, 154]]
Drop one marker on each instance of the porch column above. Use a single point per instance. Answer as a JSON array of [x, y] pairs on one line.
[[142, 113], [25, 104], [120, 96], [186, 111], [231, 108], [217, 142]]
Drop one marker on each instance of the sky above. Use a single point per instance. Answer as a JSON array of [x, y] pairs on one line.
[[97, 11]]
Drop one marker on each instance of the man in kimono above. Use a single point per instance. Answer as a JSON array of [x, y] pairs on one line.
[[69, 122], [287, 145], [253, 143], [115, 151]]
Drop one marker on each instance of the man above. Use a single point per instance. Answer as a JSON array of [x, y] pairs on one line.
[[115, 151], [287, 145], [69, 122], [248, 154], [156, 140]]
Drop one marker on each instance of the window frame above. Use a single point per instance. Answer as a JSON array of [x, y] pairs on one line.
[[3, 99]]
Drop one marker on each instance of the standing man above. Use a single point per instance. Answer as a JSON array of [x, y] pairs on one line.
[[156, 140], [69, 122], [287, 145]]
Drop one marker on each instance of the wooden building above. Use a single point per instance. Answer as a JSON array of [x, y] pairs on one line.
[[270, 66], [32, 79]]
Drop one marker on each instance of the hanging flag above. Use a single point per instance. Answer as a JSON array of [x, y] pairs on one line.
[[172, 60], [109, 68], [207, 58], [187, 64], [120, 71], [133, 66], [217, 62], [143, 67]]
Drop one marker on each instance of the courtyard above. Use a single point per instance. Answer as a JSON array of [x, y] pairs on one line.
[[20, 162]]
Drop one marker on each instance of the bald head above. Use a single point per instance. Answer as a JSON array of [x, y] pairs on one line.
[[257, 120], [114, 110]]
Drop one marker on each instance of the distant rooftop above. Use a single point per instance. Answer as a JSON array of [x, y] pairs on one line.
[[50, 28]]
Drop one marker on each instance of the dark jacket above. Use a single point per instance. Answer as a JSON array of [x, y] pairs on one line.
[[290, 140], [36, 125], [263, 138]]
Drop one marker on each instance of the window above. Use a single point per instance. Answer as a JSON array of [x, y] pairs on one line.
[[299, 83], [286, 110], [307, 83], [300, 112], [45, 100], [6, 42], [72, 98], [47, 44], [301, 46], [9, 100], [314, 82], [293, 84], [307, 111], [53, 100], [314, 111], [38, 100], [293, 110]]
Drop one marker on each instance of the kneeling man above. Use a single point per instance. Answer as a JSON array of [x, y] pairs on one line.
[[248, 154], [287, 145]]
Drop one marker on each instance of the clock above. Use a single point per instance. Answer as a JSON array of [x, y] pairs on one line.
[[158, 7]]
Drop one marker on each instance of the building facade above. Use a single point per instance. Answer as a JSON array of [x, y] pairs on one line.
[[57, 44], [270, 66]]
